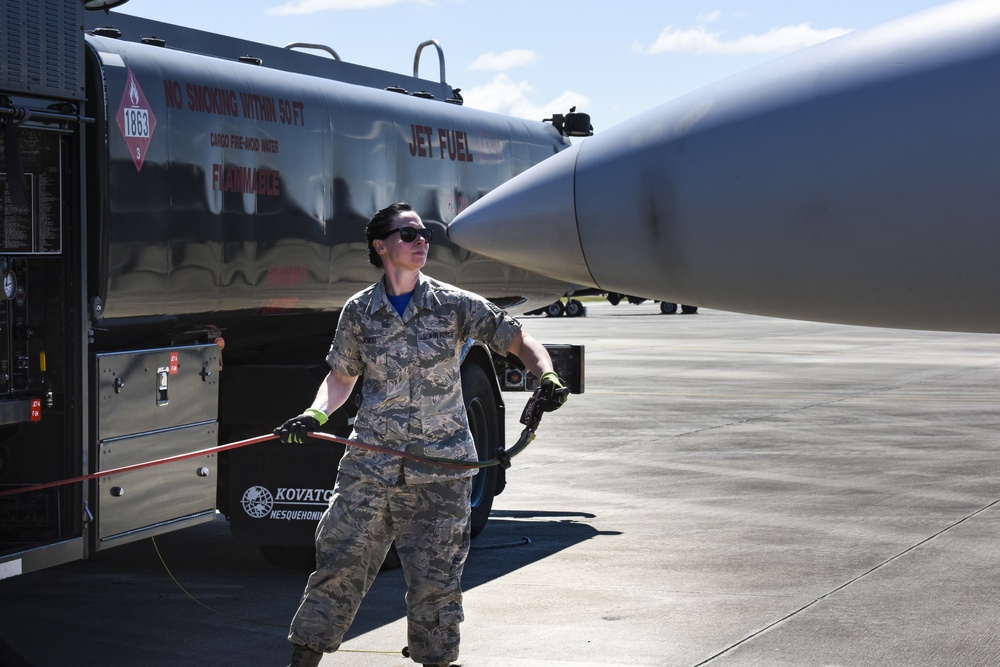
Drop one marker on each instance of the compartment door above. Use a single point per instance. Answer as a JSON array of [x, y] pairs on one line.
[[154, 404]]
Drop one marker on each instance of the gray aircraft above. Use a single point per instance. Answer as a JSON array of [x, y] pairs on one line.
[[857, 181]]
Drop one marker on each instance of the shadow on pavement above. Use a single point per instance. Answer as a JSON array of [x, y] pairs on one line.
[[124, 607]]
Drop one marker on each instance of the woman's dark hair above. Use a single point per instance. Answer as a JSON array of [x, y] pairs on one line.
[[380, 225]]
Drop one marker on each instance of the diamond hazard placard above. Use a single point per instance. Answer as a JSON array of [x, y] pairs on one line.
[[136, 120]]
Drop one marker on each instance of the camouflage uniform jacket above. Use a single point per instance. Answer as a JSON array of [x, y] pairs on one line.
[[410, 368]]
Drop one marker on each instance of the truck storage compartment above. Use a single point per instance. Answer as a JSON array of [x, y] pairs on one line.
[[155, 404]]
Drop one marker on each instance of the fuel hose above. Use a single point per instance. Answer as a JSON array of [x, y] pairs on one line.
[[530, 417]]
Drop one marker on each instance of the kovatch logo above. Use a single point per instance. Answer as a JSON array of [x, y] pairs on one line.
[[285, 504], [136, 120], [257, 502]]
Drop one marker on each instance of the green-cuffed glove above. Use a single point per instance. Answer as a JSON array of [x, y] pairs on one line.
[[553, 392], [295, 429]]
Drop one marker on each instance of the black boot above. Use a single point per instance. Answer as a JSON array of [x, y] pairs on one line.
[[303, 656]]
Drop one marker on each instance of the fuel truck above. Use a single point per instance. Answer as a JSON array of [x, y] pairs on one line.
[[183, 219]]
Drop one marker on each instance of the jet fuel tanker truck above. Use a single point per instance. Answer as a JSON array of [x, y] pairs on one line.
[[183, 218]]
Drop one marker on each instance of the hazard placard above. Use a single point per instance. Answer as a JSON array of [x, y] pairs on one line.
[[136, 120]]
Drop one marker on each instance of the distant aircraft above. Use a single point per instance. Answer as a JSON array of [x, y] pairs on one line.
[[857, 181]]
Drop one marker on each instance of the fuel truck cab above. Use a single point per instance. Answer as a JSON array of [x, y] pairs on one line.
[[183, 219]]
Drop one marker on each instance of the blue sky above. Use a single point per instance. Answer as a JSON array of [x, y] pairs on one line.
[[539, 57]]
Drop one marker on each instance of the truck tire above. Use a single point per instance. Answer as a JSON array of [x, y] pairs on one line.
[[481, 407], [668, 308], [689, 310]]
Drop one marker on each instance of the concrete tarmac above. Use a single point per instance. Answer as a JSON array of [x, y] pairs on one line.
[[730, 491]]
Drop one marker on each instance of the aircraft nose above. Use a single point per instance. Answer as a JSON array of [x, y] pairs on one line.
[[530, 222]]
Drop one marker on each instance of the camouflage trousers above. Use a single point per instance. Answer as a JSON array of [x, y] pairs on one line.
[[430, 523]]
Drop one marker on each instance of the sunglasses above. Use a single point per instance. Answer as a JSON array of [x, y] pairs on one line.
[[409, 234]]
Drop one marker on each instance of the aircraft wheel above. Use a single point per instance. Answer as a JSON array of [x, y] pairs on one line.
[[668, 308], [574, 308], [555, 309], [689, 310], [481, 407]]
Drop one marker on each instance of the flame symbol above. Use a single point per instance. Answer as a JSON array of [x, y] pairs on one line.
[[133, 91]]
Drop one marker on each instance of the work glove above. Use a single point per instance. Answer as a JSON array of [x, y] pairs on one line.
[[295, 429], [553, 393]]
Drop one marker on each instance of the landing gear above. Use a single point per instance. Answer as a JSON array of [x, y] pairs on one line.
[[572, 308], [668, 308]]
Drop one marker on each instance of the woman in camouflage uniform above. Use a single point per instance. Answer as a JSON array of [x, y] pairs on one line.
[[404, 335]]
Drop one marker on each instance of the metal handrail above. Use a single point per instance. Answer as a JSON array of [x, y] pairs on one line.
[[416, 58], [319, 47]]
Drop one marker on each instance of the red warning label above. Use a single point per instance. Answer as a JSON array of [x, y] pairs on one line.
[[136, 120]]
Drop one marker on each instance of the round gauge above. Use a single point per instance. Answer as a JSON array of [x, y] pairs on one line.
[[9, 285]]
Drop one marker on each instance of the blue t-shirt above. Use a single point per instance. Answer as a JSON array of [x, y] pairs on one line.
[[399, 302]]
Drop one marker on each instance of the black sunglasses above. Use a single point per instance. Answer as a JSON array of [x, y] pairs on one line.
[[409, 234]]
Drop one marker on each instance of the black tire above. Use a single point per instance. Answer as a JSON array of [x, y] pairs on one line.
[[481, 407], [668, 308], [689, 310], [574, 308], [555, 309]]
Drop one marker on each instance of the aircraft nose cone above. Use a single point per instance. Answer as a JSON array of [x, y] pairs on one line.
[[529, 222]]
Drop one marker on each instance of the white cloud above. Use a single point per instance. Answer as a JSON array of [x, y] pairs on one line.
[[504, 95], [777, 40], [500, 62], [710, 17], [315, 6]]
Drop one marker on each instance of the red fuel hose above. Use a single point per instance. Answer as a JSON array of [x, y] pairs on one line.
[[503, 458], [531, 416]]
